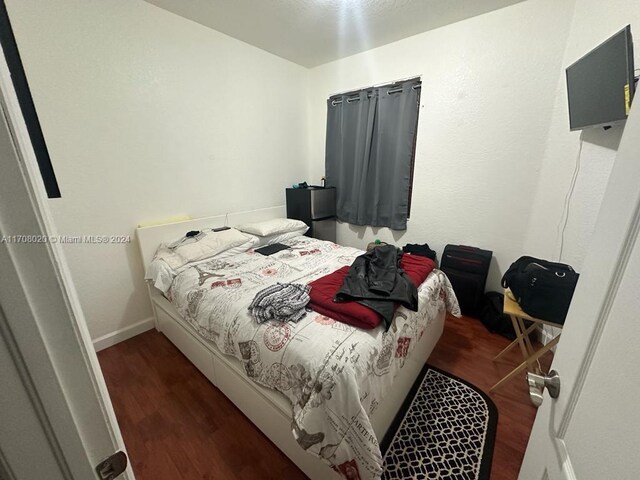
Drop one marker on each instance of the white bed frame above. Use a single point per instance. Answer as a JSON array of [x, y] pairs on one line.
[[268, 409]]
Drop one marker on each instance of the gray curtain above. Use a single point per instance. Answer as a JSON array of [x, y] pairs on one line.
[[369, 153]]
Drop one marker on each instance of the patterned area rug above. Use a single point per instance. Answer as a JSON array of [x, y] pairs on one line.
[[445, 430]]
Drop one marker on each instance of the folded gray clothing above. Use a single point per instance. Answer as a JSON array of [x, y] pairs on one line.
[[283, 302]]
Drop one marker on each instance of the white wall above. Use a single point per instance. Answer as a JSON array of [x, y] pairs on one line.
[[593, 22], [148, 115], [488, 92]]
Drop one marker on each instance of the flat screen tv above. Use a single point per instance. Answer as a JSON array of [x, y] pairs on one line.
[[601, 84]]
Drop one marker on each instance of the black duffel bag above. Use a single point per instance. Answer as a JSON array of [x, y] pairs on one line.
[[543, 289], [493, 318]]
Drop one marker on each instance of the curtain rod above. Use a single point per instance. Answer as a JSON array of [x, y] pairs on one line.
[[384, 84], [389, 92]]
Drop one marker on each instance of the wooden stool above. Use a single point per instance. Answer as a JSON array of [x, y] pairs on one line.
[[529, 355]]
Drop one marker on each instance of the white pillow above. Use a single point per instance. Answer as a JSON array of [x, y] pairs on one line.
[[205, 245], [281, 237], [162, 275], [272, 227], [252, 242]]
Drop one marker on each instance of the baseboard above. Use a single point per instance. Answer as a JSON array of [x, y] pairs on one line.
[[123, 334]]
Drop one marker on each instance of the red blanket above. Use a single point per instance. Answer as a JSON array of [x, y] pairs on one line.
[[324, 289]]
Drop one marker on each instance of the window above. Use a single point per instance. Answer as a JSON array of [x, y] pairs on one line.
[[370, 152]]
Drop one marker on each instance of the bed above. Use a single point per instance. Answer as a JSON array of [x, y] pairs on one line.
[[324, 392]]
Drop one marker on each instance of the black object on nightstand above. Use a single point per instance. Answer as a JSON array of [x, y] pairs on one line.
[[467, 269], [315, 206]]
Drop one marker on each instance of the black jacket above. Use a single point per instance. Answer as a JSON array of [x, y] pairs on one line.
[[376, 280]]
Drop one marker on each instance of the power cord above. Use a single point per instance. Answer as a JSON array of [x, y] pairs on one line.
[[564, 219]]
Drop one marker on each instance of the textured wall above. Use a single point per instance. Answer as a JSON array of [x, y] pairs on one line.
[[593, 22], [148, 115], [488, 91]]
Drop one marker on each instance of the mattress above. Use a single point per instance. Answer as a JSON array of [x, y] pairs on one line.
[[334, 375]]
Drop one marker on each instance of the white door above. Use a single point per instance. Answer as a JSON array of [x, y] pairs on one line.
[[592, 430], [56, 419]]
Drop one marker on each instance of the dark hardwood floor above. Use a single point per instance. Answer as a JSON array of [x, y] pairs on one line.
[[176, 425], [466, 349]]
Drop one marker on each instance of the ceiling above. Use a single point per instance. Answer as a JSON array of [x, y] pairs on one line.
[[313, 32]]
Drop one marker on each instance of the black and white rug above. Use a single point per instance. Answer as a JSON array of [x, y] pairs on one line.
[[445, 430]]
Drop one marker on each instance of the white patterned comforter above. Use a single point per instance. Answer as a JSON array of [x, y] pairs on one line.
[[334, 375]]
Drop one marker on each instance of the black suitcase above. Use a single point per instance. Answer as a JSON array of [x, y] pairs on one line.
[[467, 269]]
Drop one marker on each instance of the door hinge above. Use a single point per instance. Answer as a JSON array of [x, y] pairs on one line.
[[112, 466]]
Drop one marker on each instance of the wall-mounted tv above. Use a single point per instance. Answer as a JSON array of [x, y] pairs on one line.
[[601, 84]]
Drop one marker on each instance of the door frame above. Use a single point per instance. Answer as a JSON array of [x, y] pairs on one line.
[[42, 324]]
